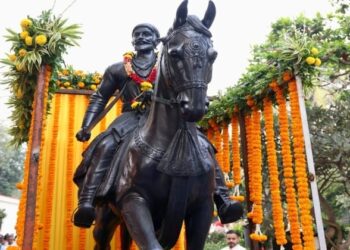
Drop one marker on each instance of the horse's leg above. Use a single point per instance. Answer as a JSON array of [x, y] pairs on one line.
[[198, 224], [106, 223], [125, 237], [139, 222]]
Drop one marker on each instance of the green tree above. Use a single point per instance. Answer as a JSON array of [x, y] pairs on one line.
[[330, 134], [11, 165]]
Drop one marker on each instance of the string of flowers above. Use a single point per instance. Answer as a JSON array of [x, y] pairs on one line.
[[119, 107], [83, 231], [255, 168], [248, 125], [51, 174], [300, 168], [277, 211], [210, 134], [236, 161], [225, 149], [38, 225], [288, 174], [69, 174], [144, 84], [24, 187]]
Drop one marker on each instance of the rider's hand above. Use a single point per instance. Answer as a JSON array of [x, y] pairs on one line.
[[83, 135]]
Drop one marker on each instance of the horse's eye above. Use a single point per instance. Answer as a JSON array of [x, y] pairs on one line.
[[176, 52], [212, 54]]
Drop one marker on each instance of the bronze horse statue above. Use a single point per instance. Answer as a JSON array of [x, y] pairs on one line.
[[167, 166]]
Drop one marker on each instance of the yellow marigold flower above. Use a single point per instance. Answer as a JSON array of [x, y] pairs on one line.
[[93, 87], [129, 54], [65, 72], [66, 84], [22, 52], [135, 104], [26, 23], [318, 62], [12, 57], [20, 67], [81, 85], [314, 51], [40, 40], [19, 185], [145, 86], [24, 34], [29, 40], [310, 60]]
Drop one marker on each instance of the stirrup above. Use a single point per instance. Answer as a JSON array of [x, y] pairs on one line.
[[84, 216], [230, 212]]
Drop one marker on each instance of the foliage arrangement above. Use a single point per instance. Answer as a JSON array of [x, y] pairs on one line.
[[68, 78], [315, 49], [41, 41]]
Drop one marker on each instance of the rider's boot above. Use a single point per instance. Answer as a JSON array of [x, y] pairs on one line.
[[228, 210], [85, 213]]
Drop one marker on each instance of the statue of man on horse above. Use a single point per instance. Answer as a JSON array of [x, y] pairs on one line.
[[111, 152]]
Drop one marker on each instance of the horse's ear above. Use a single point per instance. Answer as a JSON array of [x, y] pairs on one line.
[[181, 14], [209, 15]]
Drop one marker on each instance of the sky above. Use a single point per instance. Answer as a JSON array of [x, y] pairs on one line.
[[107, 26]]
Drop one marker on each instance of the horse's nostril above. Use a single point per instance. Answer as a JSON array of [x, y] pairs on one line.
[[184, 104]]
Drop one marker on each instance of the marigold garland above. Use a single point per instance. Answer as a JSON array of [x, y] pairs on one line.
[[23, 202], [69, 174], [51, 175], [300, 168], [236, 160], [210, 135], [225, 149], [288, 174], [277, 211], [248, 125], [83, 231], [145, 84], [236, 168], [119, 107]]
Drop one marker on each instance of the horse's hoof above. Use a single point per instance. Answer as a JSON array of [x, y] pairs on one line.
[[230, 212], [84, 216]]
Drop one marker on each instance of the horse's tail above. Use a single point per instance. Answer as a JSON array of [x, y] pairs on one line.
[[175, 213]]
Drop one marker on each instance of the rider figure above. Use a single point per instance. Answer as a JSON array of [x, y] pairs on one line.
[[97, 158]]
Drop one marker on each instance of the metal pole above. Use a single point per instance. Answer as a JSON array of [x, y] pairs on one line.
[[311, 167], [34, 161]]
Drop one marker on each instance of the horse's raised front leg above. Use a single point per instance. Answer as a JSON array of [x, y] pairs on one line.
[[138, 220], [106, 223], [198, 224]]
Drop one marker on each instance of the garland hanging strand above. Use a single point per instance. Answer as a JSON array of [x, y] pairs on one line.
[[300, 169], [277, 211], [291, 197], [225, 149], [24, 185], [236, 159], [69, 174], [51, 174]]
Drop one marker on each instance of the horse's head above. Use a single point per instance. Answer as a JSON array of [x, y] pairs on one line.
[[187, 60]]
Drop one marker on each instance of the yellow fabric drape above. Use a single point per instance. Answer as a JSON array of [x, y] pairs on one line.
[[61, 155]]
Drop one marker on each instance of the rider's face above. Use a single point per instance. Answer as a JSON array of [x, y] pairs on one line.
[[143, 38]]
